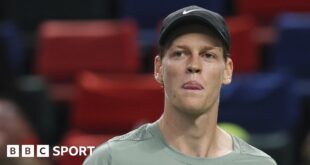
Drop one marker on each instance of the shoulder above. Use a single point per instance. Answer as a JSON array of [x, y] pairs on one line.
[[252, 154], [136, 135], [101, 156], [103, 153]]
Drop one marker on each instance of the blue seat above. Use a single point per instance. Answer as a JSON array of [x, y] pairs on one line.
[[13, 47], [148, 14], [292, 54], [292, 49], [261, 103]]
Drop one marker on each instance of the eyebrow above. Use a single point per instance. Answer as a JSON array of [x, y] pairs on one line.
[[204, 47]]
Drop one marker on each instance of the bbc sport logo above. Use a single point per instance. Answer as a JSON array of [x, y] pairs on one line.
[[44, 151]]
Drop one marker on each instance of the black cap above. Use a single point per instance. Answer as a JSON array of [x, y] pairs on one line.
[[198, 15]]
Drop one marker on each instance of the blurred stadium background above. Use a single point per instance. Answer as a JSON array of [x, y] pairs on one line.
[[76, 72]]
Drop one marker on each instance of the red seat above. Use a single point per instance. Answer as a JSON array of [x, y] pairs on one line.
[[115, 103], [266, 10], [65, 48], [244, 47]]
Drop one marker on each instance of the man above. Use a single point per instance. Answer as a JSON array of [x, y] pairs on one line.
[[192, 66]]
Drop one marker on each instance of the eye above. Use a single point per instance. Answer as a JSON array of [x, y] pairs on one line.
[[178, 53], [208, 55]]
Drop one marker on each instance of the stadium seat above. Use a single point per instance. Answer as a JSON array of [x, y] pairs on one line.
[[244, 48], [291, 54], [266, 11], [28, 18], [13, 48], [261, 103], [115, 103], [153, 11], [291, 50], [66, 48]]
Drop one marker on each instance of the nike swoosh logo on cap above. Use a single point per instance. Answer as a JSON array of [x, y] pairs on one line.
[[188, 11]]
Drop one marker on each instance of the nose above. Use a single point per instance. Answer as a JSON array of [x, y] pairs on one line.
[[194, 65]]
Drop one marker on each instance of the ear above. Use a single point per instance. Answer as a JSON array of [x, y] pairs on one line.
[[157, 70], [228, 72]]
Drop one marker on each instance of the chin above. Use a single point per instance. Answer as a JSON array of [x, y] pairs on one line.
[[193, 109]]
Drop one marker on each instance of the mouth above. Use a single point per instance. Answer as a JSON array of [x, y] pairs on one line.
[[192, 85]]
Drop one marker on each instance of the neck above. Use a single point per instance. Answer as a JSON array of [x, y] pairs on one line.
[[196, 136]]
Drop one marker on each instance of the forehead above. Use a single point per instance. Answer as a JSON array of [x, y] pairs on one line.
[[191, 29], [196, 40]]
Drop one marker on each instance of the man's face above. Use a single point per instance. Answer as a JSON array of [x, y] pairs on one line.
[[192, 72]]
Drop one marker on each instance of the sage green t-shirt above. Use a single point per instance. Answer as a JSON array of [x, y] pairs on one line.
[[146, 146]]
